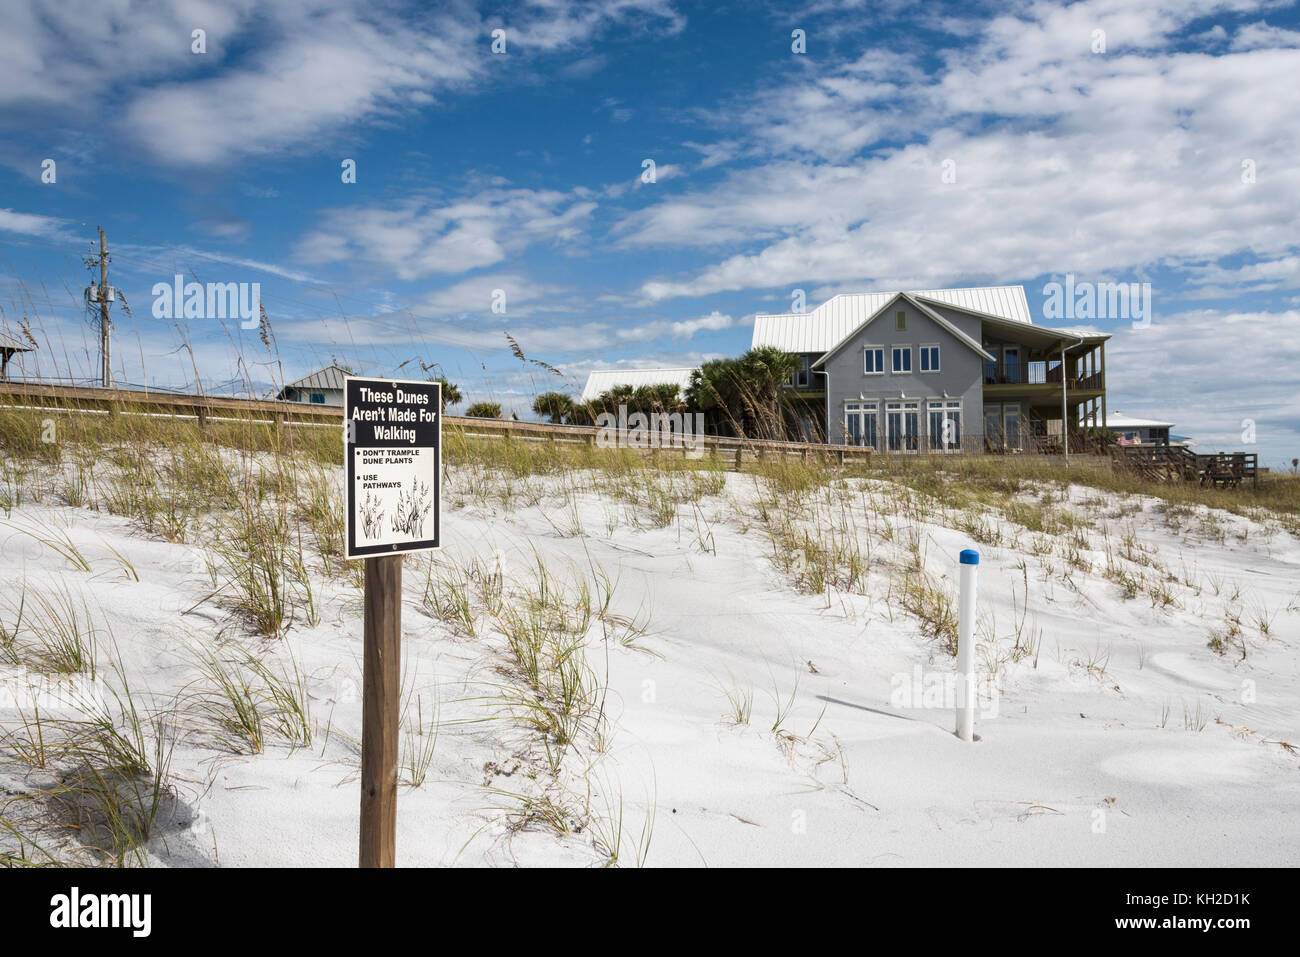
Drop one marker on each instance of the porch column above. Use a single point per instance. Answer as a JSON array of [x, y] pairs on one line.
[[1065, 409], [1103, 383]]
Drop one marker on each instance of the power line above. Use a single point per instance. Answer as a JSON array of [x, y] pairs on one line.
[[307, 310]]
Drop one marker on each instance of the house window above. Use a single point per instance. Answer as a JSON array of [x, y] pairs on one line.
[[873, 362], [803, 374], [900, 320], [945, 425], [902, 359], [860, 424], [318, 398], [903, 426], [1010, 365], [929, 358], [991, 366]]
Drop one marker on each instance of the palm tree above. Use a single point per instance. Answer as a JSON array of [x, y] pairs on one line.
[[653, 399], [450, 393], [484, 410], [764, 370], [610, 400], [716, 390], [555, 405]]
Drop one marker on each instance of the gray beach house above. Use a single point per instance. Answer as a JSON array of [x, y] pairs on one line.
[[939, 370]]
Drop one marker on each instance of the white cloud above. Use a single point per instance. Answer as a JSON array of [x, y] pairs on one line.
[[291, 74], [484, 332], [319, 74], [34, 224], [1065, 161], [419, 238], [145, 259], [1257, 36], [1285, 269], [484, 337], [71, 53], [474, 297], [676, 329], [1187, 368]]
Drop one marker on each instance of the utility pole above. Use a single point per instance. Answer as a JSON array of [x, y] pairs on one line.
[[107, 372]]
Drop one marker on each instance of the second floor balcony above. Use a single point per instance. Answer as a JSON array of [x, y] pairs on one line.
[[1012, 372]]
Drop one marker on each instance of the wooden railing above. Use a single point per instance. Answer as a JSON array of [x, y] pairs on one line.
[[1176, 462], [176, 403], [1163, 461], [1095, 381], [214, 408]]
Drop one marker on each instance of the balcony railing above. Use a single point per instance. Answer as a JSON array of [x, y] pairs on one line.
[[1037, 374], [1030, 373]]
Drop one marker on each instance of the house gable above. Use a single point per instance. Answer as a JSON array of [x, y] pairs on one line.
[[889, 308], [952, 383]]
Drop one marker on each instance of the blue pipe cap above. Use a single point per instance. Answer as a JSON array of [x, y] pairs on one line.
[[969, 556]]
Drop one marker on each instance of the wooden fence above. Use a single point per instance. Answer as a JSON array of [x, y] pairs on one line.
[[214, 408], [1162, 463]]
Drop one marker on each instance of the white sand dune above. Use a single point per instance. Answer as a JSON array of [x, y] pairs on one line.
[[1074, 769]]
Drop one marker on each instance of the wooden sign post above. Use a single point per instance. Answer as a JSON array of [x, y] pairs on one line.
[[381, 685], [392, 450]]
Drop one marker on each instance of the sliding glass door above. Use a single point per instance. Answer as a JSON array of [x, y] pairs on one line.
[[903, 422], [1011, 426], [993, 426], [1002, 427]]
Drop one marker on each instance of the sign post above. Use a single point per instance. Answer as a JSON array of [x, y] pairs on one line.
[[392, 450]]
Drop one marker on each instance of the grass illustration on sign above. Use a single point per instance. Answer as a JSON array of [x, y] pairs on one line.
[[410, 512]]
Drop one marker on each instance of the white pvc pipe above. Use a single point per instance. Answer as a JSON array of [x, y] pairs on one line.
[[969, 569]]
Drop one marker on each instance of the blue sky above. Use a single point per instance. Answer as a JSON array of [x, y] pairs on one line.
[[821, 171]]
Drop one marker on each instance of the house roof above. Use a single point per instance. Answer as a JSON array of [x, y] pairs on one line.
[[13, 345], [331, 377], [1118, 420], [1043, 337], [824, 327], [601, 381], [919, 304]]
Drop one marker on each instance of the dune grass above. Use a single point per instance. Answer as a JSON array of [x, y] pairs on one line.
[[265, 502]]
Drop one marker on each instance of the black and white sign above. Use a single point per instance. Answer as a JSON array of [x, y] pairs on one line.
[[392, 448]]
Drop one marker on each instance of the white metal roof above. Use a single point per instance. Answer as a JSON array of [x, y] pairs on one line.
[[13, 344], [925, 309], [331, 377], [1118, 420], [601, 381], [834, 320]]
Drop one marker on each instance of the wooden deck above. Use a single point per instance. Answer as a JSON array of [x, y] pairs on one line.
[[1173, 463]]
